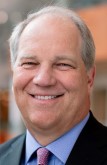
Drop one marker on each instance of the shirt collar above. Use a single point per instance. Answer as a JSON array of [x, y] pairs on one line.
[[31, 146], [65, 143]]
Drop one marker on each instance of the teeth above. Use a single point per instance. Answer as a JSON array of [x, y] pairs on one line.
[[45, 97]]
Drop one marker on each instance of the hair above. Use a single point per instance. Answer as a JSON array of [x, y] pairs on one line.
[[88, 46]]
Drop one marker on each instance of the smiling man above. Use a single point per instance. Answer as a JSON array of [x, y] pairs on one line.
[[52, 54]]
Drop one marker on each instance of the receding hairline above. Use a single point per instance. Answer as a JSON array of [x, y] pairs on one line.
[[72, 16], [62, 14], [54, 18]]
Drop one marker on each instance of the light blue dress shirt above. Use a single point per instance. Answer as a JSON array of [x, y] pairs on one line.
[[60, 148]]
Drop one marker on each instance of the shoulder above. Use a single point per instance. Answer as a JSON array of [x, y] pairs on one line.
[[95, 126], [91, 145], [95, 133], [13, 142]]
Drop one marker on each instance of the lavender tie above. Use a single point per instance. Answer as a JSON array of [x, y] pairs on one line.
[[42, 156]]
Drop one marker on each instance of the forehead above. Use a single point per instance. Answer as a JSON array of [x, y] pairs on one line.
[[51, 22], [50, 33]]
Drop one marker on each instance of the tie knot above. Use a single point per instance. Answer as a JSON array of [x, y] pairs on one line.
[[42, 156]]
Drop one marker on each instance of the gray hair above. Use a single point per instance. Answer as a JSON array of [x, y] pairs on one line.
[[88, 46]]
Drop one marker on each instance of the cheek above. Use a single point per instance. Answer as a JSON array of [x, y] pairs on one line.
[[20, 79], [76, 86], [71, 82]]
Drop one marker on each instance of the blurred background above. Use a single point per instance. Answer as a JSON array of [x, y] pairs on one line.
[[94, 12]]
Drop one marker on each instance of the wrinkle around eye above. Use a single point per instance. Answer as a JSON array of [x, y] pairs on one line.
[[64, 66], [28, 65]]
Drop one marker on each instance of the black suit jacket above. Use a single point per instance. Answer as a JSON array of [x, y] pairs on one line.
[[89, 149]]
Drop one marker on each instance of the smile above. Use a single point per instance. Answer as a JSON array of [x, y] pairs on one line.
[[46, 97]]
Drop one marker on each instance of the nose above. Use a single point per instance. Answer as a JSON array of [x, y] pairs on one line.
[[44, 77]]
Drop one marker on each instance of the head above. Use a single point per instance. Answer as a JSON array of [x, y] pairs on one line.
[[52, 54]]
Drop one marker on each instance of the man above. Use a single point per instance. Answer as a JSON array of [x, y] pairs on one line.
[[52, 55]]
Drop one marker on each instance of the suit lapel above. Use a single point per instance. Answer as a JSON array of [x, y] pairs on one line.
[[87, 150], [15, 153]]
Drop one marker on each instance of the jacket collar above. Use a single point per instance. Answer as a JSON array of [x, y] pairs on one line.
[[16, 150]]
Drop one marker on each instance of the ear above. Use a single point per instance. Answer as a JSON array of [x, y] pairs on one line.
[[90, 79]]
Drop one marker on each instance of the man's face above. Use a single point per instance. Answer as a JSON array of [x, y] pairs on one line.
[[50, 81]]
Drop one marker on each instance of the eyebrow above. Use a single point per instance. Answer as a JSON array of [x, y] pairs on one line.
[[28, 57], [61, 57], [56, 58]]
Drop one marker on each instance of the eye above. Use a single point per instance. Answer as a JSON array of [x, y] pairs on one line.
[[29, 64], [64, 66]]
